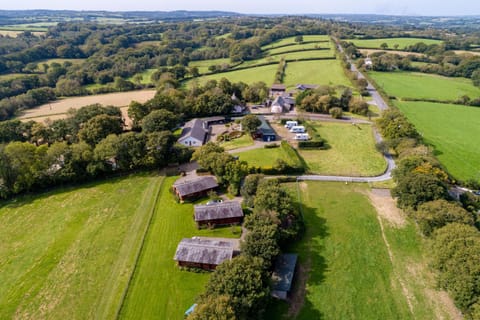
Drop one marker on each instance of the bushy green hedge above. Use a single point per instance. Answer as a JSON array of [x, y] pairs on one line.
[[314, 144]]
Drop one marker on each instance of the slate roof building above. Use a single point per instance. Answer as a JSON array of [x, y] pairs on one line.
[[194, 133], [282, 104], [277, 89], [304, 87], [194, 188], [224, 213], [282, 277], [265, 131], [201, 253]]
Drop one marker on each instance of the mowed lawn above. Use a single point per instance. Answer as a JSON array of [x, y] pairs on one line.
[[391, 42], [321, 72], [264, 73], [352, 151], [244, 141], [346, 265], [263, 157], [424, 86], [68, 254], [454, 132], [160, 290]]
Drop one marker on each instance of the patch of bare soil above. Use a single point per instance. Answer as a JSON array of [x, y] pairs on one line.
[[386, 207]]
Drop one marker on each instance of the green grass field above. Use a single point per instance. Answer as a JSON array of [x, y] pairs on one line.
[[11, 76], [453, 130], [203, 65], [69, 253], [345, 261], [391, 42], [264, 157], [424, 86], [352, 151], [291, 41], [244, 141], [306, 46], [265, 74], [160, 290], [322, 72], [146, 76]]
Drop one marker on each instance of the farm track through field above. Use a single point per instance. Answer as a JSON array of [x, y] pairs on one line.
[[152, 209]]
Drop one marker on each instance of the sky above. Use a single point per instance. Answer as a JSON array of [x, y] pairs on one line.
[[403, 7]]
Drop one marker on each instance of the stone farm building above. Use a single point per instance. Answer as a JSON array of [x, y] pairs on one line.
[[194, 188], [201, 253], [282, 104], [277, 89], [224, 213]]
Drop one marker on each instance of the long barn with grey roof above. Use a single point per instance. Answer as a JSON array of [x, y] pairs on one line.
[[203, 253], [229, 212], [194, 188]]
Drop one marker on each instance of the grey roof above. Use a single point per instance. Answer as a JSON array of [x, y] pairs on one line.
[[200, 184], [194, 128], [265, 127], [206, 251], [303, 86], [223, 210], [283, 273]]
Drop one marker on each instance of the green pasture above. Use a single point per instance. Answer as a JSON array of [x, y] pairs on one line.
[[263, 157], [142, 44], [146, 76], [310, 54], [346, 264], [391, 42], [70, 252], [453, 130], [203, 65], [321, 72], [424, 86], [161, 290], [352, 151], [244, 141], [305, 46], [11, 76], [291, 41], [264, 73]]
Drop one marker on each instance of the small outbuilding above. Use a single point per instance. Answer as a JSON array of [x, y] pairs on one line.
[[265, 131], [194, 188], [223, 213], [203, 253], [277, 89], [282, 104], [282, 277], [303, 87]]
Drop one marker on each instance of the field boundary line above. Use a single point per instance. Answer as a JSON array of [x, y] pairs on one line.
[[140, 250]]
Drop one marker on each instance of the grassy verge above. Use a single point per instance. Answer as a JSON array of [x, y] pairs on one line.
[[78, 252], [159, 288]]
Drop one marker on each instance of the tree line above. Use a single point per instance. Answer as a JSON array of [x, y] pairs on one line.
[[451, 225]]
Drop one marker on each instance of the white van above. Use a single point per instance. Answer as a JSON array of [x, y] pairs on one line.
[[302, 136], [297, 129], [289, 124]]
